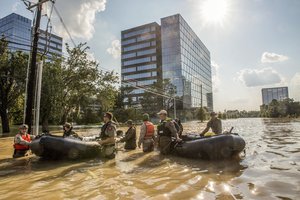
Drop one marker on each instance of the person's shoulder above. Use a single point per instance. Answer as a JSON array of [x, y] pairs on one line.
[[111, 126]]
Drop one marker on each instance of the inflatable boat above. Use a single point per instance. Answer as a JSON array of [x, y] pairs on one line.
[[215, 147], [56, 147]]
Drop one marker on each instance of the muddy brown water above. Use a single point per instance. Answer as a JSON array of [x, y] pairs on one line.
[[269, 170]]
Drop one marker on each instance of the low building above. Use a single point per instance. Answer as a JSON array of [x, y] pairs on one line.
[[277, 93]]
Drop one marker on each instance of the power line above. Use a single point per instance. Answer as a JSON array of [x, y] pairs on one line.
[[64, 25]]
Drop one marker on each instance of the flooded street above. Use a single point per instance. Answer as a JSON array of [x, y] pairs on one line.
[[270, 170]]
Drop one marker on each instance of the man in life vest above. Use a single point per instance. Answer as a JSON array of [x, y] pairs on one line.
[[130, 136], [147, 134], [68, 132], [215, 124], [107, 136], [22, 142], [166, 131]]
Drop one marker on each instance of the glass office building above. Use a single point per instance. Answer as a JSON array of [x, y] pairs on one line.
[[278, 93], [17, 31], [186, 62], [180, 57], [140, 59]]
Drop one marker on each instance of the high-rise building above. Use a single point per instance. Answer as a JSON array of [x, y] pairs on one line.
[[186, 62], [17, 31], [141, 59], [171, 51], [278, 93]]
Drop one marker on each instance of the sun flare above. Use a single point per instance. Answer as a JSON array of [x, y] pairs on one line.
[[214, 11]]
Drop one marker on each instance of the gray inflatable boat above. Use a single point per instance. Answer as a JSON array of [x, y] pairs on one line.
[[56, 147], [215, 147]]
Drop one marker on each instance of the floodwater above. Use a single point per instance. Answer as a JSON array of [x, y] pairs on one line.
[[269, 170]]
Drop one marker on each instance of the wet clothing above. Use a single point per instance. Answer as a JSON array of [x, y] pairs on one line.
[[166, 130], [147, 136], [108, 130], [21, 144], [130, 139], [215, 125], [70, 133]]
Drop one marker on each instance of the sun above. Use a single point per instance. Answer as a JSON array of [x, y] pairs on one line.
[[214, 11]]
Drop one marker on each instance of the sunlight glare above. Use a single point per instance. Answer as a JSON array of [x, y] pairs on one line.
[[214, 11]]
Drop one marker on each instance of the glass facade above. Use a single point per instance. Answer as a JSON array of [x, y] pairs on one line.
[[140, 58], [170, 51], [17, 30], [279, 93], [186, 62]]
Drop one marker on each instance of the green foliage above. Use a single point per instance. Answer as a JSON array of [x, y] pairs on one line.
[[201, 114], [72, 84], [152, 103], [13, 67], [122, 115], [285, 108]]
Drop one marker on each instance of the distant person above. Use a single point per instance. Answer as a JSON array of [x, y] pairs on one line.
[[107, 136], [68, 132], [147, 134], [166, 130], [179, 127], [214, 123], [130, 136], [22, 142]]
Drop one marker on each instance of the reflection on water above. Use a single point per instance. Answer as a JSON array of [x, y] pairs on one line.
[[270, 170]]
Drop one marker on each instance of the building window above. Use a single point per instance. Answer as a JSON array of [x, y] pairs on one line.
[[136, 61], [138, 46], [127, 70], [137, 76], [138, 32], [145, 52]]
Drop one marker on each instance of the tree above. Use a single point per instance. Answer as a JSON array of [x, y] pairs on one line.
[[71, 84], [201, 114], [152, 101], [52, 93], [12, 80]]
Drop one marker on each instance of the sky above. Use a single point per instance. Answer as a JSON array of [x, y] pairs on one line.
[[253, 44]]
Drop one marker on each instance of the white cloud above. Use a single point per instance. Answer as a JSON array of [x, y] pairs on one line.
[[272, 58], [259, 77], [215, 76], [79, 17], [15, 6], [295, 87], [115, 49]]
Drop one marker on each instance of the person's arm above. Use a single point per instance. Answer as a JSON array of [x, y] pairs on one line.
[[142, 135], [206, 129], [19, 140]]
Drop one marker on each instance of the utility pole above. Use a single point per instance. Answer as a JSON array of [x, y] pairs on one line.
[[33, 70], [201, 96]]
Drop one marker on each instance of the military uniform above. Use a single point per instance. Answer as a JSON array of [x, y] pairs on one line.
[[108, 130], [130, 138], [70, 133], [166, 130], [215, 125]]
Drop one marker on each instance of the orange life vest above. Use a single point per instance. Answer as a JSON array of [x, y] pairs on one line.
[[149, 130], [20, 146]]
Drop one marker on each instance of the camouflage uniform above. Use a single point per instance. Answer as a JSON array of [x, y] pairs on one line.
[[166, 130], [108, 130], [215, 125], [130, 139]]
